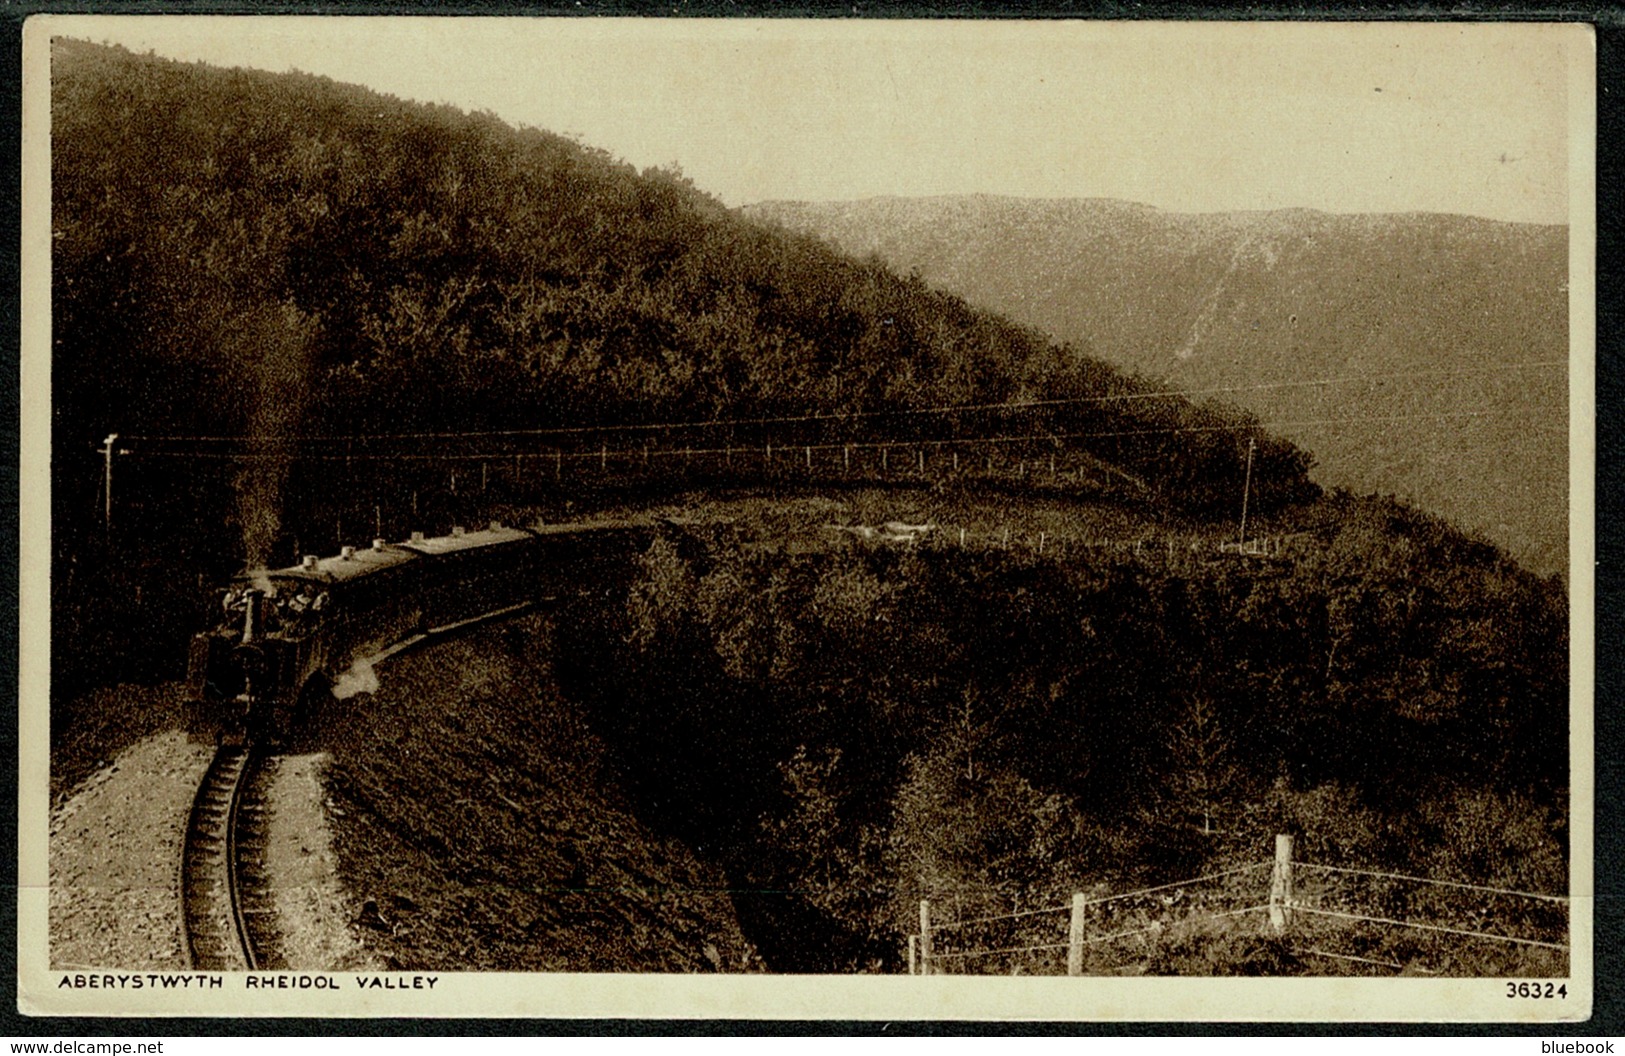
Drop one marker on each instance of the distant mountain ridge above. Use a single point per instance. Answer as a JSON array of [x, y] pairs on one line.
[[1459, 323]]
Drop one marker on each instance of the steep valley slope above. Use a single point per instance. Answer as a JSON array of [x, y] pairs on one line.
[[480, 829], [1417, 355]]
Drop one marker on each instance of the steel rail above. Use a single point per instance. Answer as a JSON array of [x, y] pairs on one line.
[[233, 887], [234, 763]]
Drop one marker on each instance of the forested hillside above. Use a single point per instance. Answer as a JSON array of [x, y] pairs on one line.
[[264, 250], [994, 730], [281, 258], [1457, 326]]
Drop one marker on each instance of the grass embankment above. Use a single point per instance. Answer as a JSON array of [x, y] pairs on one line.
[[94, 726], [807, 518], [474, 813]]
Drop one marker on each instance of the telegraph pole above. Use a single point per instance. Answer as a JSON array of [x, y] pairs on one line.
[[107, 453], [1246, 488]]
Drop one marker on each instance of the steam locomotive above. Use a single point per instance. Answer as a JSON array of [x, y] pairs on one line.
[[286, 635]]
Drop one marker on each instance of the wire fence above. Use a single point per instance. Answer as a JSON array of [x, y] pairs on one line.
[[1437, 883], [1430, 925], [401, 494], [396, 482], [1206, 878], [249, 449], [1035, 939], [1337, 909], [403, 478], [935, 410], [1310, 951], [955, 924]]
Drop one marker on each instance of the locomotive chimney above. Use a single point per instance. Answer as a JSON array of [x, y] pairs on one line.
[[346, 553], [496, 526], [417, 537], [457, 529], [309, 562], [254, 616], [378, 544]]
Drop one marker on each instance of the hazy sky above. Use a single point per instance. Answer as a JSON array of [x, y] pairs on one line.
[[1450, 118]]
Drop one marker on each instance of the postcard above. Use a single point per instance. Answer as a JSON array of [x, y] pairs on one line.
[[816, 519]]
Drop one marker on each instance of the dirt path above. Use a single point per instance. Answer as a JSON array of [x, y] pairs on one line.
[[115, 858], [313, 911]]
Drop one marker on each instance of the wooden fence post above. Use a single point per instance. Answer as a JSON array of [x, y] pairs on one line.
[[809, 458], [603, 458], [913, 955], [1281, 884], [925, 936], [1074, 949], [846, 458], [885, 457], [922, 460]]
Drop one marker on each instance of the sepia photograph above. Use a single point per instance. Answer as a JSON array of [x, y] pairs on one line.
[[822, 519]]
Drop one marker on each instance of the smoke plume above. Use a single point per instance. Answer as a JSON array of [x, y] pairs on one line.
[[359, 677], [276, 340]]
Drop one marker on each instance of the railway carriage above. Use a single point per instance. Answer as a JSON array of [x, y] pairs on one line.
[[471, 573], [286, 634]]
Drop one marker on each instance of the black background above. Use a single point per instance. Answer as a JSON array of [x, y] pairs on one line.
[[1609, 862]]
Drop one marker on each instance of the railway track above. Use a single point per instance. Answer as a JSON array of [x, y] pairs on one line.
[[219, 868]]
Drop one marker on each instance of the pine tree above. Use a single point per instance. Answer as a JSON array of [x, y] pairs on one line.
[[1201, 780]]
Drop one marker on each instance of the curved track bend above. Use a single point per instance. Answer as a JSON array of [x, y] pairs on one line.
[[217, 932]]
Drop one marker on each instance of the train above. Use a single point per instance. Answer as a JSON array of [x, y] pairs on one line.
[[285, 636]]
